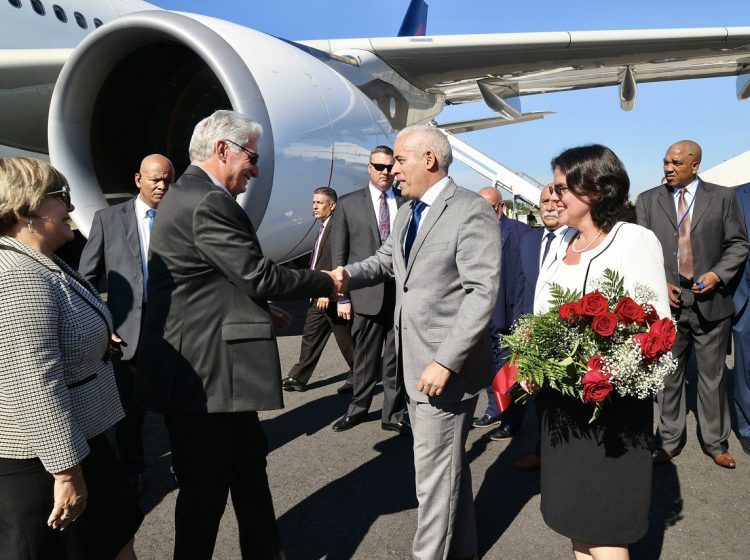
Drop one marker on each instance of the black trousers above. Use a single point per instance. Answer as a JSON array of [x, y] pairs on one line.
[[128, 431], [315, 334], [372, 335], [212, 455]]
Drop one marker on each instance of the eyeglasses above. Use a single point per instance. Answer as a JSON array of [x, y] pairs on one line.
[[558, 190], [252, 156], [382, 167], [63, 194]]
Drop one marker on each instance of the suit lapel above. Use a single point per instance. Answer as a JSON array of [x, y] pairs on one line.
[[130, 223], [702, 200], [369, 215], [666, 201], [436, 210]]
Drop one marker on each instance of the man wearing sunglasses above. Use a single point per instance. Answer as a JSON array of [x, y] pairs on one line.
[[209, 359], [361, 224], [115, 260]]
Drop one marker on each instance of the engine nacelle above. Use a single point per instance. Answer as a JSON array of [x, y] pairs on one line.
[[139, 84]]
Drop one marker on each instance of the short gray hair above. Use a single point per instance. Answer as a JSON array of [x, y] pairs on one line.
[[222, 125], [427, 137]]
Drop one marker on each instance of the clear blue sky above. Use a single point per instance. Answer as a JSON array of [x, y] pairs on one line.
[[704, 110]]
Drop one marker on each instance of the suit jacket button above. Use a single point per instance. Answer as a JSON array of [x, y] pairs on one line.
[[406, 289], [675, 234]]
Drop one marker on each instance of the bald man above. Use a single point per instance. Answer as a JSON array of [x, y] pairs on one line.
[[115, 261], [511, 232], [704, 244]]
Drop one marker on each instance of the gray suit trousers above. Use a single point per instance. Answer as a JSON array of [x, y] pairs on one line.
[[446, 526], [710, 339]]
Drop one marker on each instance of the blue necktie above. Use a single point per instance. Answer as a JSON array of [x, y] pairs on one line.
[[550, 236], [151, 213], [411, 233]]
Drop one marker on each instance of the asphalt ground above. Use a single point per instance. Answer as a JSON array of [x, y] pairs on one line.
[[351, 494]]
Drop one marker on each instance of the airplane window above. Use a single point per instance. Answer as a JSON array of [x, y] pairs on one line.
[[81, 20], [38, 7], [98, 22], [15, 3], [59, 13]]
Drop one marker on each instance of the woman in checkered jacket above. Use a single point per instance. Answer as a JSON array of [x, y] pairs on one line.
[[57, 389]]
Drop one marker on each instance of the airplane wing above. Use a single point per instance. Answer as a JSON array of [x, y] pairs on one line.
[[514, 64]]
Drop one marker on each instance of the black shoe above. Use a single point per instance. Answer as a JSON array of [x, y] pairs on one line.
[[402, 428], [291, 384], [347, 423], [485, 421], [745, 443], [501, 433], [345, 388]]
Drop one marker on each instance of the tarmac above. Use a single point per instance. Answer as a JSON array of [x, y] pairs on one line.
[[351, 494]]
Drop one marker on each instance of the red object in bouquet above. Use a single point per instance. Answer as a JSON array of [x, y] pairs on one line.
[[504, 380]]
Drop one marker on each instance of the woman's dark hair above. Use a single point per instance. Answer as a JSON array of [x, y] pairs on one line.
[[596, 172]]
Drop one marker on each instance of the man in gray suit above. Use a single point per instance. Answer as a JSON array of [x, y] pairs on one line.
[[704, 243], [209, 358], [445, 255], [115, 261]]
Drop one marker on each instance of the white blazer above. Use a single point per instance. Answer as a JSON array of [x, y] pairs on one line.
[[629, 249]]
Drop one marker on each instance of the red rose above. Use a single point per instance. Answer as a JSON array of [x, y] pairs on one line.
[[651, 315], [665, 333], [596, 363], [604, 324], [629, 312], [596, 386], [593, 304], [570, 312], [650, 347]]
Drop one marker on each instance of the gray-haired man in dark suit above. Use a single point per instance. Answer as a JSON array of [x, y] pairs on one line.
[[209, 358]]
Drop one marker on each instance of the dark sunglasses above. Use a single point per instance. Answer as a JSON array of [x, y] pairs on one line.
[[63, 194], [382, 166], [558, 190], [252, 156]]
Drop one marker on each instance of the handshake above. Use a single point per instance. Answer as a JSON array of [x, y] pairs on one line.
[[340, 279]]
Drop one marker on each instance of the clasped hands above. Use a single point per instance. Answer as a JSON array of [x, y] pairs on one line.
[[704, 284], [340, 278]]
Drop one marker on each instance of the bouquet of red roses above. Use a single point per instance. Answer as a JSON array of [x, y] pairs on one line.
[[595, 346]]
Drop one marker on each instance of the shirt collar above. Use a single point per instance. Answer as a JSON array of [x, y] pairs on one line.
[[431, 194], [691, 188], [375, 192], [141, 208], [214, 180]]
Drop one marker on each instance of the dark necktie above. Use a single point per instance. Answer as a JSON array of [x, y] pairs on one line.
[[316, 247], [151, 213], [549, 237], [384, 218], [411, 233], [684, 248]]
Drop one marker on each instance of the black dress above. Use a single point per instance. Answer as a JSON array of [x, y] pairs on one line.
[[596, 478]]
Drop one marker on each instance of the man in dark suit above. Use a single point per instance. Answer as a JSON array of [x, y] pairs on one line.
[[361, 224], [704, 243], [502, 318], [537, 248], [115, 259], [741, 331], [322, 317], [209, 358]]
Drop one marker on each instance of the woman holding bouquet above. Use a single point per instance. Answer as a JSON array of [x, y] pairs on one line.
[[596, 475]]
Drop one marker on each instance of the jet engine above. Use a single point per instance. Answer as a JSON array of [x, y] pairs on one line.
[[139, 84]]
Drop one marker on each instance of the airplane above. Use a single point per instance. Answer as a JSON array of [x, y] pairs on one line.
[[66, 88]]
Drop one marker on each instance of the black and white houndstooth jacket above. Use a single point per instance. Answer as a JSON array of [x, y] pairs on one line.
[[56, 390]]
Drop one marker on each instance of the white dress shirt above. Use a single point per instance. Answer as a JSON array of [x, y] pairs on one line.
[[429, 198], [390, 200], [318, 240], [689, 199], [552, 253], [144, 236]]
